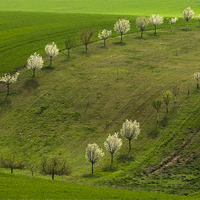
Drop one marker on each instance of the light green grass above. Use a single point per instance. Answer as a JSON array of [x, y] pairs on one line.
[[168, 8]]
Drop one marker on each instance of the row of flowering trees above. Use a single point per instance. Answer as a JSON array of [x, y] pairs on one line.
[[34, 62], [130, 130]]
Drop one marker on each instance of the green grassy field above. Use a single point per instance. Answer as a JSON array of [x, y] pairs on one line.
[[27, 26], [82, 99]]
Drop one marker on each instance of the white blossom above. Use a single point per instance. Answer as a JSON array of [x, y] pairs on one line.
[[34, 62], [51, 50], [188, 14], [8, 79], [130, 130], [113, 144], [156, 20], [198, 17], [93, 153], [142, 23], [122, 26], [105, 34], [197, 77]]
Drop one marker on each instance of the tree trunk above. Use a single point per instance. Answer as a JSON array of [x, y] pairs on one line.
[[157, 117], [33, 73], [92, 167], [197, 84], [104, 43], [171, 27], [121, 37], [187, 25], [111, 160], [175, 99], [155, 30], [68, 53], [86, 47], [8, 88], [53, 175], [167, 108], [129, 145], [50, 60], [141, 33], [11, 170]]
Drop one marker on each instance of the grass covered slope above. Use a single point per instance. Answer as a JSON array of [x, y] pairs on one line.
[[82, 99], [119, 7]]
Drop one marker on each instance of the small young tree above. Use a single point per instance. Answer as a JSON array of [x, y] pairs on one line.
[[142, 23], [166, 98], [55, 166], [93, 154], [69, 43], [175, 91], [130, 130], [85, 36], [197, 77], [32, 167], [172, 21], [157, 104], [188, 14], [51, 50], [122, 26], [34, 62], [113, 144], [104, 35], [156, 20], [8, 79]]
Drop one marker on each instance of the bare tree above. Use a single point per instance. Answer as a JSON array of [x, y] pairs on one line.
[[157, 104], [70, 43], [85, 36]]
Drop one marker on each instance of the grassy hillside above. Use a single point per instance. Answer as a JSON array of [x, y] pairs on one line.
[[27, 26], [82, 99]]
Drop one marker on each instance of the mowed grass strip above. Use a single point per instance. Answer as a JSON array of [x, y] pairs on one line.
[[24, 187]]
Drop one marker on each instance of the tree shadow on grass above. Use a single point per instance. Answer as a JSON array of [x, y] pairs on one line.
[[119, 43], [124, 158], [164, 121], [153, 133], [184, 29], [48, 68], [107, 168], [5, 102], [91, 175], [30, 84]]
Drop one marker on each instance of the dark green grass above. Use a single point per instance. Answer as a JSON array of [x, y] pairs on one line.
[[23, 33], [23, 187]]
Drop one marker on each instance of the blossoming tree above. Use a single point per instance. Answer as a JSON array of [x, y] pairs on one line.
[[34, 62], [172, 21], [122, 26], [130, 130], [197, 77], [188, 14], [93, 154], [51, 50], [142, 23], [8, 79], [156, 20], [113, 144], [105, 34]]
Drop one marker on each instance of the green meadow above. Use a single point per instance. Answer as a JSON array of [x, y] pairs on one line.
[[84, 98]]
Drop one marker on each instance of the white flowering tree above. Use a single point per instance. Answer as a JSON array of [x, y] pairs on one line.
[[113, 144], [142, 23], [8, 79], [172, 21], [157, 104], [105, 34], [130, 130], [51, 50], [167, 98], [93, 154], [188, 14], [34, 62], [122, 26], [156, 20], [197, 77]]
